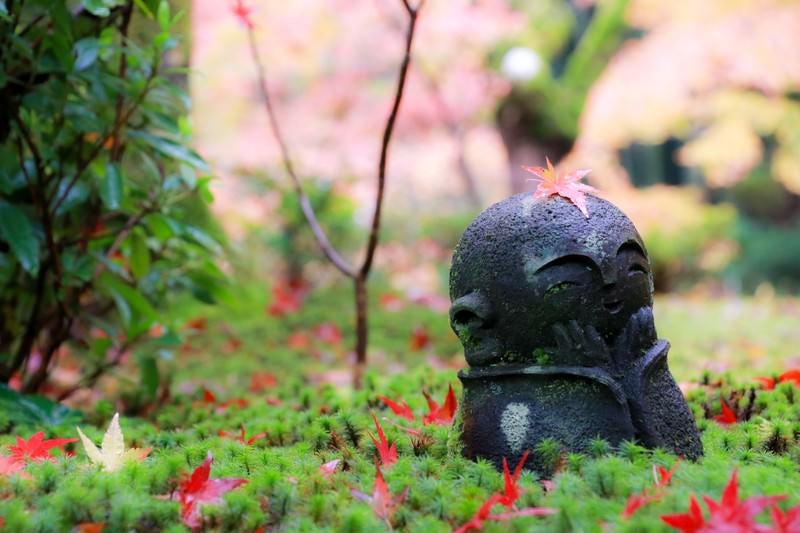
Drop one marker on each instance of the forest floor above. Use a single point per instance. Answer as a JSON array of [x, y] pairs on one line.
[[307, 459]]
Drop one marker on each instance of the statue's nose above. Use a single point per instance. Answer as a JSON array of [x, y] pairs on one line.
[[609, 279], [611, 300]]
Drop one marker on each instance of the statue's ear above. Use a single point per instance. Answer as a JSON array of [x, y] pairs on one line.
[[472, 319]]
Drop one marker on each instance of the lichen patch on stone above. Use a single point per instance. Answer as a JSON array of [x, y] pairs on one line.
[[514, 422]]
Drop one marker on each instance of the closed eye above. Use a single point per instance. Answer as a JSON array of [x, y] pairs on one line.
[[558, 287], [636, 268]]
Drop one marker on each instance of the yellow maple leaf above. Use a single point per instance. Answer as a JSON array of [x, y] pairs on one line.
[[111, 455]]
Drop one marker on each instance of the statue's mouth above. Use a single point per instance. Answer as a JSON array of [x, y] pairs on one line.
[[613, 307]]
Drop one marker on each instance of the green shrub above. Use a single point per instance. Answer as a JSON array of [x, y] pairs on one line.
[[97, 186]]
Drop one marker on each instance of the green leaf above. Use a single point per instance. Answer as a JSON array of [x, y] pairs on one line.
[[17, 231], [86, 52], [148, 369], [203, 239], [159, 227], [113, 266], [134, 309], [77, 266], [163, 15], [101, 8], [111, 187], [141, 5], [139, 255], [171, 149], [35, 410]]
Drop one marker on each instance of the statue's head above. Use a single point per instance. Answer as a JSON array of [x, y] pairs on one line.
[[525, 266]]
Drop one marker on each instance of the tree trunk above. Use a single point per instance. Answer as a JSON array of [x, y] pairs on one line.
[[360, 285]]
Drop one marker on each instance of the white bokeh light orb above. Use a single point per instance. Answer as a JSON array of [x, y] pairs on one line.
[[521, 64]]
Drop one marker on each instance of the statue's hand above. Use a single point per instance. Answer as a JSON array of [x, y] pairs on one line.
[[638, 336], [580, 346]]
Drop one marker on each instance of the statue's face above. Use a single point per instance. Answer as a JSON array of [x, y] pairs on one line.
[[576, 287], [525, 271]]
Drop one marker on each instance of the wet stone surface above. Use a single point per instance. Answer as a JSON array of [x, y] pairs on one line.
[[554, 311]]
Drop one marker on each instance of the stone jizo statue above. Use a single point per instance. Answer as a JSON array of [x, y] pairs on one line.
[[554, 310]]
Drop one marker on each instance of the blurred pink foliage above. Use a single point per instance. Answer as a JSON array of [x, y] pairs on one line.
[[332, 66], [713, 72]]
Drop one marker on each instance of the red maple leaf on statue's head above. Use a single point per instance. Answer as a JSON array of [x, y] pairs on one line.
[[36, 448], [198, 489], [441, 415], [567, 186]]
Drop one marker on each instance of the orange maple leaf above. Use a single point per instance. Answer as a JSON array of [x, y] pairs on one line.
[[567, 186]]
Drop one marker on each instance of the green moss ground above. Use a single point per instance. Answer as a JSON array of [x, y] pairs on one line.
[[735, 339]]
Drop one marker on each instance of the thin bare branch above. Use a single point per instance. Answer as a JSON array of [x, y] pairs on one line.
[[372, 243], [305, 205]]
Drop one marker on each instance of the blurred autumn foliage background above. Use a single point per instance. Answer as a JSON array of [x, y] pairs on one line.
[[687, 113]]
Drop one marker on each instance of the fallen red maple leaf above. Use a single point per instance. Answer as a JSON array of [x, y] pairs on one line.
[[687, 522], [199, 489], [299, 340], [728, 416], [391, 302], [8, 467], [767, 382], [196, 324], [382, 501], [441, 415], [241, 437], [286, 298], [420, 339], [387, 454], [730, 514], [790, 376], [262, 380], [512, 491], [243, 13], [91, 527], [567, 186], [788, 522], [328, 333], [400, 409], [208, 396], [36, 448], [636, 502], [661, 477], [507, 498], [481, 515], [241, 403]]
